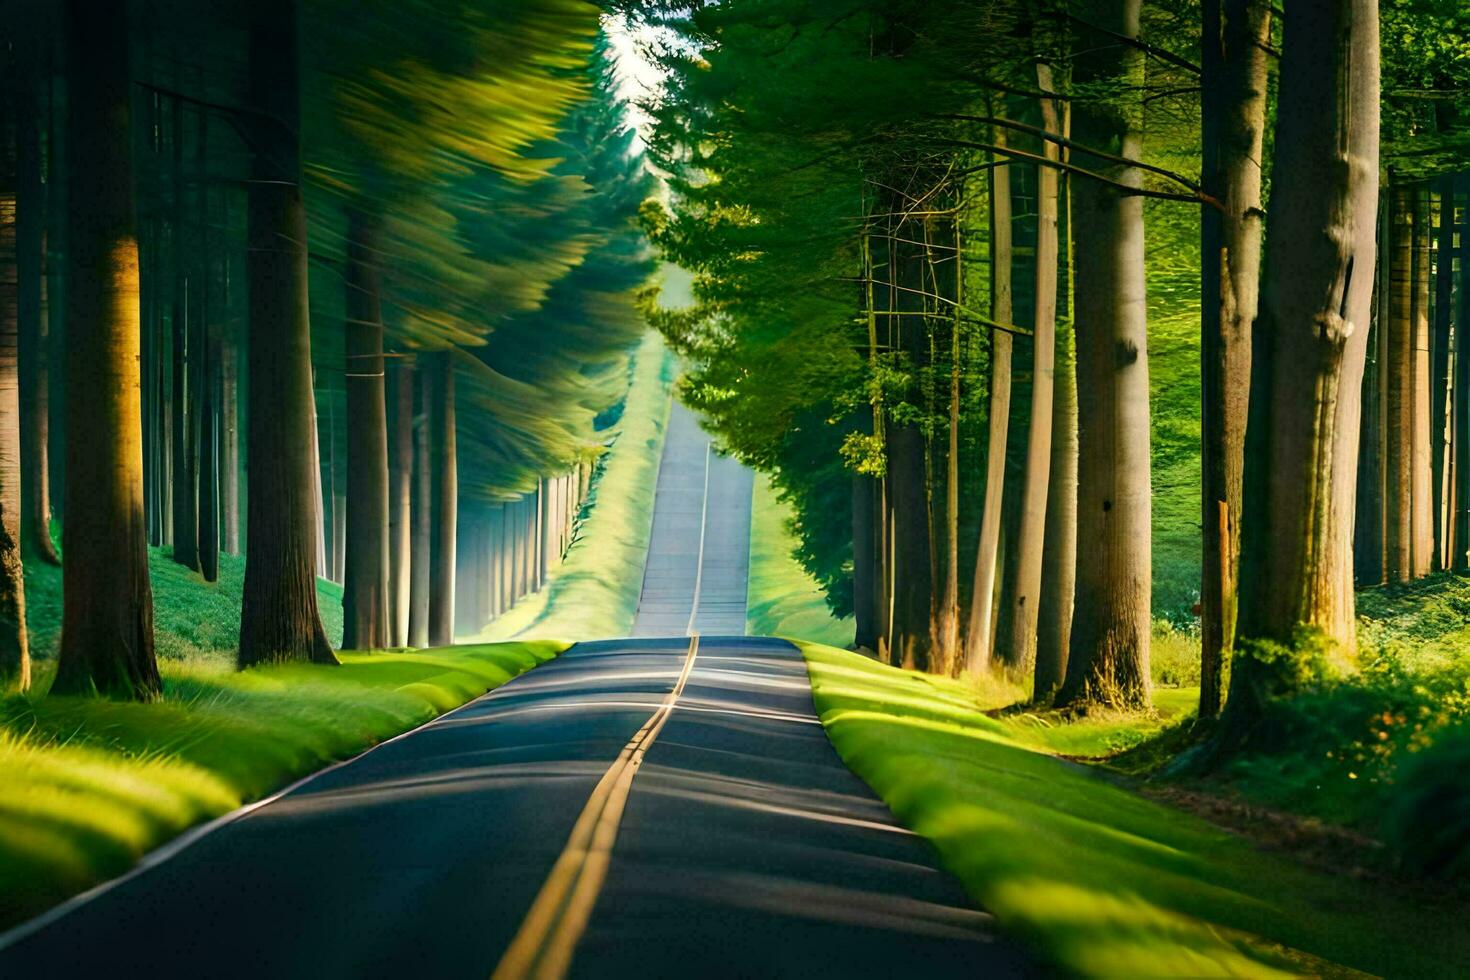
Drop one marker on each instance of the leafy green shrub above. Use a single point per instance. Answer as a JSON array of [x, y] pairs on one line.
[[1429, 819]]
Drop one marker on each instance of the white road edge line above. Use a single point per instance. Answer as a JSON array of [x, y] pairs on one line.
[[709, 448]]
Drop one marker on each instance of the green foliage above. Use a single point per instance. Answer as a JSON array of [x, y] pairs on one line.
[[91, 785], [1429, 819], [1098, 880]]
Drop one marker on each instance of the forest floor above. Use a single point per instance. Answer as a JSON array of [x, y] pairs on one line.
[[1094, 873]]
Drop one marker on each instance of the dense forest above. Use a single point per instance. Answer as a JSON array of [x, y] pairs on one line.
[[256, 261], [522, 487], [1064, 324]]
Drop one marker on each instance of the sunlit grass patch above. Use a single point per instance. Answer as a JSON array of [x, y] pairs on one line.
[[1098, 879], [90, 785]]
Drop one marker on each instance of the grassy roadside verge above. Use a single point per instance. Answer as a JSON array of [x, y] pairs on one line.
[[594, 592], [1096, 878], [91, 785], [782, 599]]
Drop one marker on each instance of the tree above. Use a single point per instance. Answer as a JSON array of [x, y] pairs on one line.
[[1233, 86], [34, 315], [1109, 658], [1296, 611], [365, 587], [15, 661], [107, 598], [443, 501], [1019, 649], [279, 618], [979, 637]]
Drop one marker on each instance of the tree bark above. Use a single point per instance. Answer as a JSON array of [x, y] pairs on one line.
[[1439, 366], [1109, 658], [978, 633], [1234, 63], [15, 660], [206, 373], [1461, 443], [279, 619], [1369, 521], [1301, 444], [107, 599], [1422, 471], [1399, 374], [418, 610], [229, 418], [1059, 557], [31, 301], [185, 473], [444, 500], [365, 588], [1019, 648], [400, 501]]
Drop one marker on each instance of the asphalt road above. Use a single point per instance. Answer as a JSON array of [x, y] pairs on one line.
[[746, 848], [699, 549], [651, 807]]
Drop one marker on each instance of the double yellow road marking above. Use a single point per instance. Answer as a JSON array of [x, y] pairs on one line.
[[543, 946]]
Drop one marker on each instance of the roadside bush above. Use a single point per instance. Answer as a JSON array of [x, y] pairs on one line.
[[1429, 819]]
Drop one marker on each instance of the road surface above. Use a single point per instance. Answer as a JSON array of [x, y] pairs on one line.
[[650, 807], [698, 562]]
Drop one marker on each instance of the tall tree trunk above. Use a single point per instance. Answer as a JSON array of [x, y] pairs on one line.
[[1422, 474], [15, 659], [365, 589], [1236, 36], [1439, 372], [107, 599], [400, 500], [418, 611], [444, 501], [206, 374], [978, 633], [1398, 368], [229, 415], [185, 488], [31, 297], [1311, 340], [1461, 442], [1370, 519], [1019, 648], [279, 619], [1109, 658], [1059, 556]]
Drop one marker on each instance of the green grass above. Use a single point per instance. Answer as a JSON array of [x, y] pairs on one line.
[[594, 592], [1099, 880], [191, 617], [91, 785], [782, 598]]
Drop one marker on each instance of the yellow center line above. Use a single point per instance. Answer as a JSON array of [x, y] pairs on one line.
[[543, 946]]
